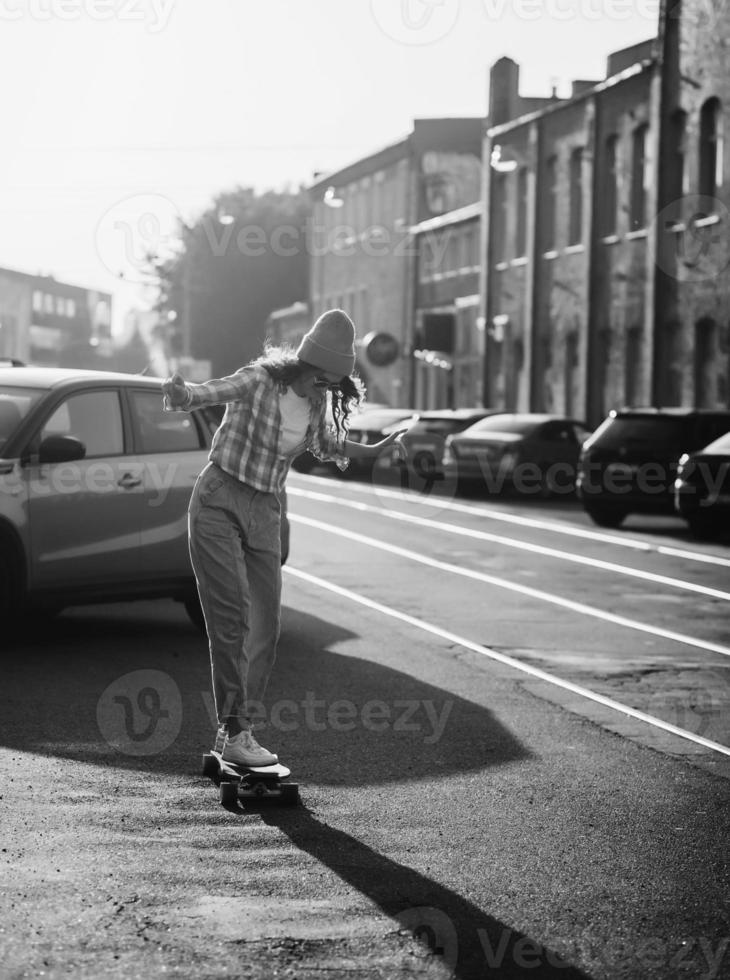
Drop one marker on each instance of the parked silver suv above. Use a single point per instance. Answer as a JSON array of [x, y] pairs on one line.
[[95, 479]]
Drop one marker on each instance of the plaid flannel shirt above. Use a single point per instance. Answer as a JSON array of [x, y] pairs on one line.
[[246, 444]]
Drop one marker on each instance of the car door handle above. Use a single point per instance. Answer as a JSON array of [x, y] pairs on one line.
[[129, 480]]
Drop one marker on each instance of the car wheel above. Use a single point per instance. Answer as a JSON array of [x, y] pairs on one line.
[[195, 612], [606, 516]]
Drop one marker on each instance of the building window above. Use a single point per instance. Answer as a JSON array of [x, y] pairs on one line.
[[710, 170], [632, 364], [610, 193], [521, 230], [37, 300], [705, 360], [70, 308], [500, 205], [575, 229], [638, 178], [678, 129], [551, 196], [48, 302]]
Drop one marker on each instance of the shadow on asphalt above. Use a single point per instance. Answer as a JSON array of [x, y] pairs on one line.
[[68, 679], [122, 686], [472, 943]]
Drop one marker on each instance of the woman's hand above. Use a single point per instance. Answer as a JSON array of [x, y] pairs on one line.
[[175, 391], [393, 438], [361, 450]]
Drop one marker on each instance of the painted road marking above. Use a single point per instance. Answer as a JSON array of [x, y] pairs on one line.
[[536, 549], [508, 661], [559, 527], [526, 590]]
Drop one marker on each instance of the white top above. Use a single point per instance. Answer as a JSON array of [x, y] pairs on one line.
[[294, 420]]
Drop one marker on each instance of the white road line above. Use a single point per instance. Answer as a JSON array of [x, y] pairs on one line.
[[536, 549], [559, 527], [526, 590], [508, 661]]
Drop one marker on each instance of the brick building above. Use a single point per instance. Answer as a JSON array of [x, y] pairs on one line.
[[605, 278], [361, 241], [53, 323], [448, 350]]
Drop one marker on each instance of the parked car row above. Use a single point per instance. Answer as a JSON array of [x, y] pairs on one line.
[[648, 461]]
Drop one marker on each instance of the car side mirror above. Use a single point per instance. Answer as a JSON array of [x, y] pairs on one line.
[[61, 449]]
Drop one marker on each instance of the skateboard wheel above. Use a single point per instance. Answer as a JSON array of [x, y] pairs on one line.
[[290, 794], [210, 766], [229, 794]]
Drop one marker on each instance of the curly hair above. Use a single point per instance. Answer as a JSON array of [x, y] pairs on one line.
[[283, 365]]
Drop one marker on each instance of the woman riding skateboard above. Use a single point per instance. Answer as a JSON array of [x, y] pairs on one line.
[[275, 409]]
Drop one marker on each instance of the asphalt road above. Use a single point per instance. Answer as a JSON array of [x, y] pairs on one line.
[[507, 729]]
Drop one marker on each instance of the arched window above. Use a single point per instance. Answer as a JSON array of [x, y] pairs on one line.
[[575, 229], [609, 202], [521, 230], [639, 178], [705, 363], [551, 204], [710, 164], [676, 162]]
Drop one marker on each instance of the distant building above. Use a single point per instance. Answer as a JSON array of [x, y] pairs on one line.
[[360, 242], [47, 322], [606, 247], [448, 349], [289, 324]]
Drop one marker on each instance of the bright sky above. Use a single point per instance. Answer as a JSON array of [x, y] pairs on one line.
[[116, 109]]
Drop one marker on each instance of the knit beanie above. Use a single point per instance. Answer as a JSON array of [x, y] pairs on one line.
[[330, 344]]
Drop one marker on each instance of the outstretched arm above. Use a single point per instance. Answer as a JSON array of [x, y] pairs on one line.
[[180, 394], [359, 450]]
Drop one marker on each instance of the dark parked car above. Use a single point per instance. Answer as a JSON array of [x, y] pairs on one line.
[[528, 452], [425, 439], [95, 480], [370, 424], [629, 464], [702, 489]]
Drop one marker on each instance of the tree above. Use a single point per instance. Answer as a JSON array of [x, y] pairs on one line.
[[245, 257]]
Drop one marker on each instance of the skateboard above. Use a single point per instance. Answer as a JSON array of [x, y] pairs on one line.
[[239, 782]]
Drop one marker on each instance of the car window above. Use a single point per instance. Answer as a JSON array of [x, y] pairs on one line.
[[93, 417], [654, 432], [503, 423], [557, 432], [721, 445], [711, 427], [159, 431], [15, 403]]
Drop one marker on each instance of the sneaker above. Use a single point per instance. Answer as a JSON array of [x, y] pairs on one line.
[[244, 750]]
